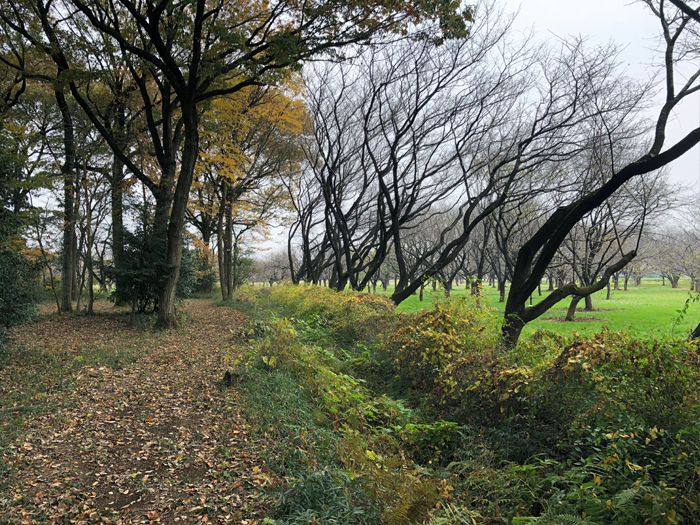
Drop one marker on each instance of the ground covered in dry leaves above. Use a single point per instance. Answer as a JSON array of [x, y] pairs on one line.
[[102, 423]]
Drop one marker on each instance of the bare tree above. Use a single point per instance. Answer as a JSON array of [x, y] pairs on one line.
[[536, 254], [459, 131], [272, 268]]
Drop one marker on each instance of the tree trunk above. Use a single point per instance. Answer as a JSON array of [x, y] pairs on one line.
[[220, 254], [475, 287], [511, 330], [627, 278], [117, 197], [589, 302], [501, 290], [420, 295], [695, 334], [68, 268], [571, 312], [88, 257], [76, 281], [607, 296], [91, 291], [166, 307], [229, 255]]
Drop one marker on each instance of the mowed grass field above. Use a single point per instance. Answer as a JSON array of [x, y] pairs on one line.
[[646, 311]]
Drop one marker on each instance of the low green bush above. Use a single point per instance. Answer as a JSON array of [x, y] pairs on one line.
[[602, 429]]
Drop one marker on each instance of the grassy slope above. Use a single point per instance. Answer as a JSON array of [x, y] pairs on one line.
[[645, 311]]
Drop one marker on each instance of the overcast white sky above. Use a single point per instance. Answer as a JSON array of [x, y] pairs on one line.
[[628, 23]]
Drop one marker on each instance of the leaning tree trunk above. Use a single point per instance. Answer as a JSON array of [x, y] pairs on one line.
[[571, 312]]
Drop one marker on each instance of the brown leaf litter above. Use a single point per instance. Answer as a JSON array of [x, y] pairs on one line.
[[158, 441]]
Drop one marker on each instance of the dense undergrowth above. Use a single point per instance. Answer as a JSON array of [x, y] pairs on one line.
[[423, 418]]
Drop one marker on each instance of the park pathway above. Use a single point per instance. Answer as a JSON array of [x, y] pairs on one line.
[[145, 433]]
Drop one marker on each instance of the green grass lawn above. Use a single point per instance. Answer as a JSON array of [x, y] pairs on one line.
[[645, 311]]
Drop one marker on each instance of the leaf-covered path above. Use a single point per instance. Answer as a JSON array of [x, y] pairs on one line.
[[144, 433]]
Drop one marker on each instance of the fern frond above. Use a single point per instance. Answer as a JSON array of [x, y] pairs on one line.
[[625, 499], [561, 519]]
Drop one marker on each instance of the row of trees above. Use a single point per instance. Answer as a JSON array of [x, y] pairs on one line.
[[450, 146], [488, 136], [669, 252]]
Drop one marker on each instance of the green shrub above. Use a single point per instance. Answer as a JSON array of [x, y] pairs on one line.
[[604, 429], [444, 350], [348, 316]]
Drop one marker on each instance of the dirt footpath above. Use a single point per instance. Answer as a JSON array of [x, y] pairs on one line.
[[152, 439]]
